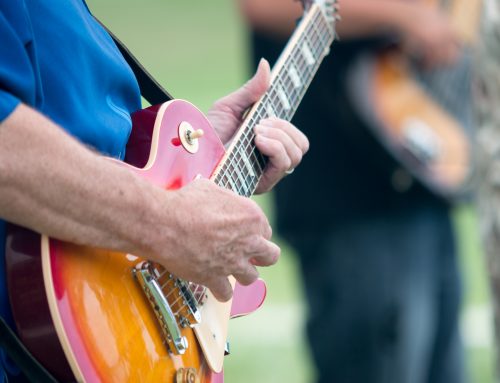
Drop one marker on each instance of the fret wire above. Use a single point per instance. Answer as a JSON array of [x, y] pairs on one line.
[[256, 162], [243, 179], [234, 179], [319, 32], [238, 174], [234, 187], [249, 173], [322, 33], [231, 169], [292, 90], [257, 155], [226, 184], [294, 62], [241, 174], [282, 85], [250, 169]]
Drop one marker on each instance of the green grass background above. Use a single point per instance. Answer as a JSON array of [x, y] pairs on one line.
[[198, 50]]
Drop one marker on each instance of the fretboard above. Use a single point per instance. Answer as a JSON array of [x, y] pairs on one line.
[[242, 167]]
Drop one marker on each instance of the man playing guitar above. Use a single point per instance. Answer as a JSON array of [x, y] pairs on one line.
[[66, 96]]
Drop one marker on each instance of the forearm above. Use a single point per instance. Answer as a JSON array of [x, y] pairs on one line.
[[277, 17], [359, 17], [52, 184]]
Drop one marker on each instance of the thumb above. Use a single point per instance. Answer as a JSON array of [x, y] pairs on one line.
[[259, 83], [248, 94]]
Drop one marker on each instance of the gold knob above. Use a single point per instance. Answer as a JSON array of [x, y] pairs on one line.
[[193, 135], [187, 375]]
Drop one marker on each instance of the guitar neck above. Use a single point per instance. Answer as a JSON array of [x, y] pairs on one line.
[[242, 167]]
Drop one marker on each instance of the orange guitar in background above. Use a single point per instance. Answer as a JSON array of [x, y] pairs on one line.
[[397, 99], [100, 316]]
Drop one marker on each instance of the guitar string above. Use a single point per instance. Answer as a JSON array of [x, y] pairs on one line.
[[306, 73], [311, 32]]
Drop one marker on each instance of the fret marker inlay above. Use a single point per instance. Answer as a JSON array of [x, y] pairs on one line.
[[244, 186], [294, 76], [270, 111], [248, 165], [308, 56], [283, 98], [233, 185]]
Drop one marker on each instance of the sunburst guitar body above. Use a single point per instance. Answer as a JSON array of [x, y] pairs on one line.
[[93, 315], [96, 309]]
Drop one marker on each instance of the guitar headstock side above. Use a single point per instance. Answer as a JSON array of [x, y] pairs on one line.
[[328, 7]]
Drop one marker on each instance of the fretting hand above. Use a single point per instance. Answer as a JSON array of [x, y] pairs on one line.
[[277, 139]]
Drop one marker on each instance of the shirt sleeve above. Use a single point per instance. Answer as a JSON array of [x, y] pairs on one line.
[[17, 74]]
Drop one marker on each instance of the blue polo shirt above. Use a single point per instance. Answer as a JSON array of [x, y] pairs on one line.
[[56, 58]]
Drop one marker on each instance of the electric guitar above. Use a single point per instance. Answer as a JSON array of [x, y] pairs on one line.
[[94, 315], [422, 118]]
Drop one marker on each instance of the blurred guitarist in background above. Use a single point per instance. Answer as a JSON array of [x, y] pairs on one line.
[[377, 255], [66, 95]]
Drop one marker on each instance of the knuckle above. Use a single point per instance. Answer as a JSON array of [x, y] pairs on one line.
[[269, 231], [287, 163], [249, 277], [221, 289], [255, 212], [241, 266], [296, 156], [305, 145]]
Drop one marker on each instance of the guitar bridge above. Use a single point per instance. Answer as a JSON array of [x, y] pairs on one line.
[[175, 302]]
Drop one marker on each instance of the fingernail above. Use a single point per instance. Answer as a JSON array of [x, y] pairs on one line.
[[268, 121], [263, 61]]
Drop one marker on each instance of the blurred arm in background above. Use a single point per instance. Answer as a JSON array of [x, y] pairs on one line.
[[424, 31]]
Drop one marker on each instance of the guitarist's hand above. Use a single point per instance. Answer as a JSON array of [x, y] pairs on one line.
[[277, 139], [216, 233], [429, 36]]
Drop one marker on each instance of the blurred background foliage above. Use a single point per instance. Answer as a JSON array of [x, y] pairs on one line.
[[198, 50]]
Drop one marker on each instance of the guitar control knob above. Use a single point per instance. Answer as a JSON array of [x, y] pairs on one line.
[[187, 375], [189, 136], [194, 135]]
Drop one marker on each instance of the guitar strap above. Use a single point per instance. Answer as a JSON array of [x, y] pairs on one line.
[[154, 93], [151, 90], [30, 367]]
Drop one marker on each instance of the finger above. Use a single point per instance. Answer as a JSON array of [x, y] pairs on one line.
[[257, 218], [221, 289], [248, 276], [268, 255], [240, 100], [279, 161], [293, 151], [295, 134]]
